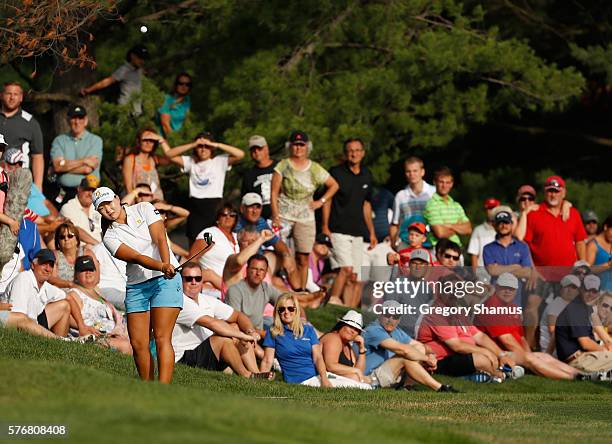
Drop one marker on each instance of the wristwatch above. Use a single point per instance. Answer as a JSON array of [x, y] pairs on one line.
[[62, 162], [323, 200]]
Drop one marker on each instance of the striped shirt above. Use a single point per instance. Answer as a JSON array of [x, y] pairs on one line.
[[438, 211], [407, 203]]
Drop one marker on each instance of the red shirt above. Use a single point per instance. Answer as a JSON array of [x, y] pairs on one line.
[[496, 325], [435, 329], [553, 242]]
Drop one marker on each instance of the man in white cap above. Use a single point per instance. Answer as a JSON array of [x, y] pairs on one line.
[[258, 179], [501, 319], [391, 354], [570, 286], [576, 343]]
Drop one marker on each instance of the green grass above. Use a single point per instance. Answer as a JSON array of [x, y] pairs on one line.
[[95, 393]]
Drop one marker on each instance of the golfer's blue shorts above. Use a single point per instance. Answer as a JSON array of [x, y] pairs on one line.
[[156, 292]]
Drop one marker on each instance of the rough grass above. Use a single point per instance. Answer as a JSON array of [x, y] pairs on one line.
[[95, 393]]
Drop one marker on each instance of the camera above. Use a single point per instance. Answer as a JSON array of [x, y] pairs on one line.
[[208, 238]]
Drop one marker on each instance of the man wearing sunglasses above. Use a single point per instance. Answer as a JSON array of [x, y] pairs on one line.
[[258, 179], [210, 334]]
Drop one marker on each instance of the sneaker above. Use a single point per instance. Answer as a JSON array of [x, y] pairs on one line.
[[587, 376], [515, 372], [496, 380], [478, 377], [447, 388]]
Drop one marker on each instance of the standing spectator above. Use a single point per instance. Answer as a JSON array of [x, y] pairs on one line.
[[599, 255], [80, 211], [129, 76], [483, 234], [445, 216], [590, 221], [206, 177], [294, 183], [172, 114], [21, 130], [525, 198], [374, 266], [258, 179], [347, 216], [76, 154], [570, 285], [555, 245], [411, 200]]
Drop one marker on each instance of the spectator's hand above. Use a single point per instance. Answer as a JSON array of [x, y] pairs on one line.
[[506, 360], [266, 235], [5, 306], [87, 330], [83, 92], [315, 204], [162, 206], [393, 258], [532, 207], [91, 161], [607, 345], [247, 338], [432, 362], [532, 282], [326, 231], [168, 270], [566, 206], [325, 383], [359, 341], [492, 358], [373, 241], [14, 226]]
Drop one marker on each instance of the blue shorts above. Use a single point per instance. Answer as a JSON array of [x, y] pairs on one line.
[[156, 292]]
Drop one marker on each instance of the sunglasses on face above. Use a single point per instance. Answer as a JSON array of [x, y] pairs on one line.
[[450, 256], [229, 214], [390, 316], [183, 84], [553, 190], [66, 236], [148, 140], [281, 310], [606, 306], [145, 194], [529, 198], [192, 278], [256, 148], [255, 206], [298, 144]]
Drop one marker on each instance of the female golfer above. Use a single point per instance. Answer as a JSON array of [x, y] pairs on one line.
[[154, 295]]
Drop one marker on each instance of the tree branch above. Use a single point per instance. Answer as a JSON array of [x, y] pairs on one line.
[[187, 4]]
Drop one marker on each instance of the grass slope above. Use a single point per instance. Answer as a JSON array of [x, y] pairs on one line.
[[96, 394]]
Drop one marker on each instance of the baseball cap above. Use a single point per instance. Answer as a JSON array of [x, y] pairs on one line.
[[324, 239], [390, 304], [251, 199], [554, 183], [353, 319], [257, 141], [526, 189], [298, 136], [503, 216], [419, 254], [84, 263], [2, 141], [90, 182], [140, 51], [570, 279], [205, 135], [419, 226], [589, 216], [491, 203], [507, 280], [101, 195], [77, 111], [581, 263], [44, 255], [13, 156], [591, 282]]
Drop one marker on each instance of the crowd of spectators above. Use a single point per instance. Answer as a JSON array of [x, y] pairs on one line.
[[245, 297]]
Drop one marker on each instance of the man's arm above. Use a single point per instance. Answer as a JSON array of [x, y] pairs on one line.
[[404, 350], [235, 262], [325, 213], [367, 216], [581, 250], [222, 328], [461, 228], [104, 83], [587, 344], [38, 167], [510, 343]]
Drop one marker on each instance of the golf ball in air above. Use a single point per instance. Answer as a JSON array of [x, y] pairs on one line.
[[143, 28]]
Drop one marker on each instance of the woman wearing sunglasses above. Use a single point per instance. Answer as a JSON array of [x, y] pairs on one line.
[[297, 348], [172, 114], [68, 248], [154, 294]]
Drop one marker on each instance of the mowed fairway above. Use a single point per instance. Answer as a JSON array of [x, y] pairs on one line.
[[95, 393]]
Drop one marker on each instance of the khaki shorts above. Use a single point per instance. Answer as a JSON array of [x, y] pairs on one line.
[[595, 361], [347, 251], [303, 234], [388, 373]]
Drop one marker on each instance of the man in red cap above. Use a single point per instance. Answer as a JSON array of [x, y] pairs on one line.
[[483, 234], [555, 245]]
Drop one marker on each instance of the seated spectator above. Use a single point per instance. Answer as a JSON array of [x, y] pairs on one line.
[[599, 255], [91, 312], [30, 293], [344, 349], [140, 166], [445, 216], [22, 322], [172, 114], [81, 212], [204, 335], [604, 311], [226, 244], [461, 349], [76, 154], [298, 350], [67, 249], [318, 265], [207, 173], [483, 234], [570, 286], [574, 332], [250, 214], [507, 331], [392, 355]]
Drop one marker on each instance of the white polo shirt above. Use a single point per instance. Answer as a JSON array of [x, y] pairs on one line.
[[135, 235], [90, 221], [30, 300], [186, 334]]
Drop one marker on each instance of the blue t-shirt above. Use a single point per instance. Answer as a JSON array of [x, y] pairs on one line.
[[517, 252], [294, 354], [177, 111], [29, 239], [373, 335], [382, 202], [36, 202], [260, 225]]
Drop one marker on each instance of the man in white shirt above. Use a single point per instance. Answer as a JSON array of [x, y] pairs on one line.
[[31, 294], [210, 334], [570, 287], [483, 234], [411, 200], [81, 212]]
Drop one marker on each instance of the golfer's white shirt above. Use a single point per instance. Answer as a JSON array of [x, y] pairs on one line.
[[27, 298], [135, 235], [186, 334]]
